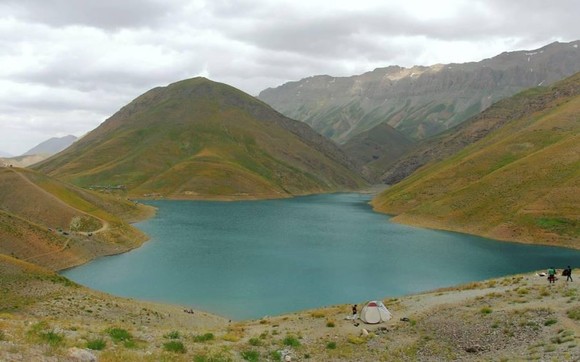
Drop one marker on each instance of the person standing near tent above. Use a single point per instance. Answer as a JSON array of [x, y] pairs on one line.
[[568, 273], [354, 313], [551, 275]]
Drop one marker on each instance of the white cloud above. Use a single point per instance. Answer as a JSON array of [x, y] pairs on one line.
[[67, 65]]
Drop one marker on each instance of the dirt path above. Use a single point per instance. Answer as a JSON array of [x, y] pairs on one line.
[[104, 223]]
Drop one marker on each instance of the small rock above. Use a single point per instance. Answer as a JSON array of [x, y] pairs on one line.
[[474, 349]]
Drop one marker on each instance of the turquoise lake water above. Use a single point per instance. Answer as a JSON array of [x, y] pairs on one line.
[[251, 259]]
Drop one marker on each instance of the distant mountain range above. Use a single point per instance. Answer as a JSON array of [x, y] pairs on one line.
[[51, 146], [201, 139], [419, 101], [38, 153], [511, 173]]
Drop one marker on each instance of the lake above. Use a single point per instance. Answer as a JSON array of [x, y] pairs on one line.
[[250, 259]]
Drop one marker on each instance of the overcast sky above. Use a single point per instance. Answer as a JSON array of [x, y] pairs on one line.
[[67, 65]]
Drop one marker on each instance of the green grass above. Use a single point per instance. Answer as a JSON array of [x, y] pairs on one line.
[[485, 310], [173, 335], [253, 356], [41, 332], [203, 337], [574, 313], [255, 342], [174, 346], [119, 334], [96, 344], [331, 345], [291, 341]]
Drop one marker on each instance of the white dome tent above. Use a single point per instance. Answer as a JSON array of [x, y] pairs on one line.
[[375, 312]]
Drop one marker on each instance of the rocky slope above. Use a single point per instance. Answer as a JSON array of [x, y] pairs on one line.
[[201, 139], [419, 101]]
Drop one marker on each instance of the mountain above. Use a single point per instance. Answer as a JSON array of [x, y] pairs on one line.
[[374, 150], [5, 154], [437, 148], [520, 182], [205, 140], [57, 225], [51, 146], [419, 101]]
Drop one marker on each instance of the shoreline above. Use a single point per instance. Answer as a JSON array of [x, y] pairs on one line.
[[283, 313]]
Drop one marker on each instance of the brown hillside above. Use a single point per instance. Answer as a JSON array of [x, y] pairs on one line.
[[58, 225], [520, 182]]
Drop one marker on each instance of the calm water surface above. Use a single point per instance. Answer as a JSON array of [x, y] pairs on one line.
[[251, 259]]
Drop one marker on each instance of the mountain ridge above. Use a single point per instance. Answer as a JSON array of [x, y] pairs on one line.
[[419, 101]]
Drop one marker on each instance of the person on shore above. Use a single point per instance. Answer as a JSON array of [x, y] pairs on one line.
[[551, 275], [568, 273], [354, 313]]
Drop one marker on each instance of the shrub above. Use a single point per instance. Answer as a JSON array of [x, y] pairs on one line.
[[172, 335], [330, 324], [549, 322], [174, 346], [291, 341], [355, 340], [204, 337], [318, 314], [574, 313], [331, 345], [485, 310], [231, 337], [255, 342], [52, 338], [42, 332], [119, 334], [96, 344], [253, 356]]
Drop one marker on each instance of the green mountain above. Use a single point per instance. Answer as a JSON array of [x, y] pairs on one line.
[[520, 182], [57, 225], [419, 101], [374, 150], [206, 140]]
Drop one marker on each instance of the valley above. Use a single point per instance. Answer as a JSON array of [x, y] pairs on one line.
[[487, 148]]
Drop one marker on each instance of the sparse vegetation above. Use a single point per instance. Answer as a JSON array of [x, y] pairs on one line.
[[174, 346], [291, 341], [574, 313], [252, 356], [97, 344], [119, 334], [204, 337], [173, 335]]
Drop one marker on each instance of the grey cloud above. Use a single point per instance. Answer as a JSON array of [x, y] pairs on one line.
[[109, 14]]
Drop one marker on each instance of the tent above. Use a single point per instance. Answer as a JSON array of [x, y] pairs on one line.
[[375, 312]]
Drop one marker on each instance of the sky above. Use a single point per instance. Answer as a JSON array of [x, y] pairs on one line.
[[68, 65]]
